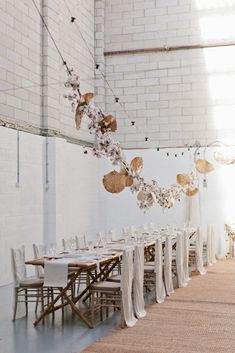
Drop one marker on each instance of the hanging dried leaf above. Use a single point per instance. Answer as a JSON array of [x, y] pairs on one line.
[[78, 117], [219, 157], [128, 178], [192, 192], [182, 179], [203, 166], [109, 122], [86, 98], [114, 182], [141, 196], [137, 165]]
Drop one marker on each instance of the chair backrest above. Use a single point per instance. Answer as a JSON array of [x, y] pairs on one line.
[[39, 251], [18, 264]]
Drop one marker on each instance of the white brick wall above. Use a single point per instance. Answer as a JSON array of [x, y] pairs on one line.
[[73, 203], [27, 52], [190, 89]]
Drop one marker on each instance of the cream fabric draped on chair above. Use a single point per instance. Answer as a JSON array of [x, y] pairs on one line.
[[210, 245], [199, 252], [126, 287], [180, 260], [168, 265], [138, 280], [158, 269], [186, 255]]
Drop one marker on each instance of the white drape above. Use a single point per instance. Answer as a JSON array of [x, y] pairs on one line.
[[126, 287], [180, 260], [210, 245], [158, 264], [138, 280], [168, 266], [186, 255], [199, 249]]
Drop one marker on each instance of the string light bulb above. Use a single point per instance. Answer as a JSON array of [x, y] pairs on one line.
[[133, 123], [146, 139], [73, 19], [116, 99]]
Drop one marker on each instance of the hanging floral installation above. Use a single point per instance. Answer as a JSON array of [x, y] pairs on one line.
[[102, 127]]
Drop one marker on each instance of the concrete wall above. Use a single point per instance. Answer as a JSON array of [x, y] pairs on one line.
[[179, 96]]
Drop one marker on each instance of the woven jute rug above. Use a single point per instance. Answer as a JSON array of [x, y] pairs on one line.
[[199, 318]]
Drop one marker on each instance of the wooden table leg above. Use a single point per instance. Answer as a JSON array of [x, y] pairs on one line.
[[50, 307]]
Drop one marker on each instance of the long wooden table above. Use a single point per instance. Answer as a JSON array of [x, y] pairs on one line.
[[106, 265]]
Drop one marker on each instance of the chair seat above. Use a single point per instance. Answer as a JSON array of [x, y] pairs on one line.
[[106, 285], [31, 283], [116, 278], [149, 263], [148, 269]]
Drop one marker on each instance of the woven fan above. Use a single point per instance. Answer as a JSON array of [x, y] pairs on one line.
[[203, 166], [141, 196], [128, 178], [137, 165], [192, 192], [109, 122], [114, 182], [84, 100], [182, 179], [223, 160]]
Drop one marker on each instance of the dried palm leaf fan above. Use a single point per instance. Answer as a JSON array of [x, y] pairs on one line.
[[203, 166], [150, 199], [137, 165], [219, 157], [128, 178], [108, 122], [192, 192], [141, 196], [182, 179], [84, 100], [114, 182]]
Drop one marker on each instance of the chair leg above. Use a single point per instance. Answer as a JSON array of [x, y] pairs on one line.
[[42, 298], [15, 304], [26, 301], [92, 309], [101, 306], [37, 301]]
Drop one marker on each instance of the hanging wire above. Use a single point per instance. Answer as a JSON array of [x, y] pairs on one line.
[[52, 38], [97, 66]]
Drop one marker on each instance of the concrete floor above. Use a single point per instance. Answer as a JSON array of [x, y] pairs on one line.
[[68, 336]]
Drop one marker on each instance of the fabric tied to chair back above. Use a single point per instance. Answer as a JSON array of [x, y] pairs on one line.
[[138, 281], [39, 251], [168, 266], [158, 267], [199, 251], [18, 265], [180, 260], [210, 245], [126, 287], [186, 255]]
